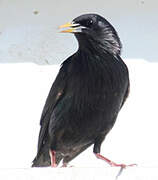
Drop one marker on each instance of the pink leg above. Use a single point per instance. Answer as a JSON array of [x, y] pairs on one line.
[[111, 163], [53, 159]]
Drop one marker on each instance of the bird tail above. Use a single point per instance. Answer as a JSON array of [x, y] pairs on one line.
[[43, 158]]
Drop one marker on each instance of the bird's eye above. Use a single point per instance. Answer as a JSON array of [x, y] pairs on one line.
[[90, 23]]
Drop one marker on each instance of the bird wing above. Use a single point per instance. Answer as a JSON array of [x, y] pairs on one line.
[[126, 94], [54, 96], [128, 85]]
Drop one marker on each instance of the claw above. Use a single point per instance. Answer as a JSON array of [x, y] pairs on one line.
[[64, 165]]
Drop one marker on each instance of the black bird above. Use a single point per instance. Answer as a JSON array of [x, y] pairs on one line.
[[87, 95]]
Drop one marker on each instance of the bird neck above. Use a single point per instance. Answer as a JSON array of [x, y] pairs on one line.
[[104, 45]]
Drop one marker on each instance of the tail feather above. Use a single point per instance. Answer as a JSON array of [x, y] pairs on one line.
[[43, 158]]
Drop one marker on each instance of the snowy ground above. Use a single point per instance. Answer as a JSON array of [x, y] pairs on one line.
[[23, 90]]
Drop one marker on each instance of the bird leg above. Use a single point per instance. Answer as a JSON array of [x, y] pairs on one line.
[[111, 163], [53, 158]]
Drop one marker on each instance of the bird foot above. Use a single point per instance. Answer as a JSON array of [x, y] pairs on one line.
[[53, 165], [113, 164], [66, 165]]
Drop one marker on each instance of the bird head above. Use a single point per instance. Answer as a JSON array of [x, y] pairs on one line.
[[94, 30]]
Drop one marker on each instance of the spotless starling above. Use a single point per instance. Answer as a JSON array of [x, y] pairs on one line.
[[86, 96]]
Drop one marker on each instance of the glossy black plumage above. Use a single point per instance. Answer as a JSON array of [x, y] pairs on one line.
[[87, 95]]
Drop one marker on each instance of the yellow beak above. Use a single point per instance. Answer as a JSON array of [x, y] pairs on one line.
[[70, 26]]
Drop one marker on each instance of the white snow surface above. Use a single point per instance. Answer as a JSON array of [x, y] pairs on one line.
[[23, 91]]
